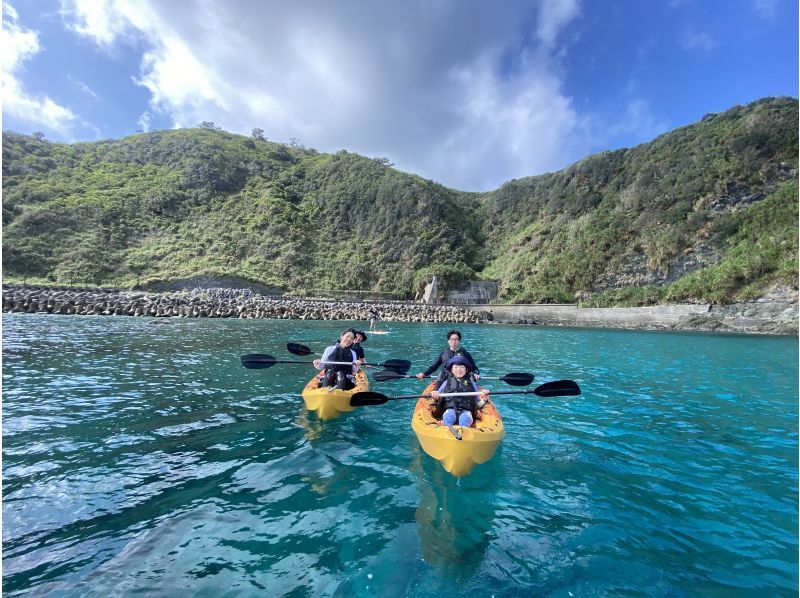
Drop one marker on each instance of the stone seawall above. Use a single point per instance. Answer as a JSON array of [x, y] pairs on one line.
[[776, 317], [220, 303]]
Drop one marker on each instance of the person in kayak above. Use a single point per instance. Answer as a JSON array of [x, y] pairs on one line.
[[340, 376], [463, 410], [453, 348], [360, 337], [373, 318]]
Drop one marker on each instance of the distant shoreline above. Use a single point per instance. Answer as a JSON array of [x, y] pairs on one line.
[[766, 318]]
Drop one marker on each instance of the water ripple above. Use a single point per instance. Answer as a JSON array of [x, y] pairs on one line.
[[144, 459]]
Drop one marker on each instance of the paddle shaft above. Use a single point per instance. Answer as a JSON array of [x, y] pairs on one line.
[[467, 394], [481, 377]]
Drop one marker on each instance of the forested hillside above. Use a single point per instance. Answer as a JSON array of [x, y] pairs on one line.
[[173, 204], [707, 212]]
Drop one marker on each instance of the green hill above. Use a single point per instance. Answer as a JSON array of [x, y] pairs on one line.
[[705, 212]]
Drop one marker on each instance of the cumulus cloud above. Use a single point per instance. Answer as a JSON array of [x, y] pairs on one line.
[[426, 84], [20, 45]]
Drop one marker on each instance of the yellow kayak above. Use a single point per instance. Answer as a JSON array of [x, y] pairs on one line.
[[459, 457], [331, 403]]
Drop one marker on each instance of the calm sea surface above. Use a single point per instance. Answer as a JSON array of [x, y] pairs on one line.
[[140, 457]]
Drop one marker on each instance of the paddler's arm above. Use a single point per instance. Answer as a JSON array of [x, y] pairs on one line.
[[476, 373], [483, 398], [432, 367], [325, 355], [434, 400]]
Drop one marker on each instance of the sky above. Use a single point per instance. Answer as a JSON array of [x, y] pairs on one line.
[[468, 93]]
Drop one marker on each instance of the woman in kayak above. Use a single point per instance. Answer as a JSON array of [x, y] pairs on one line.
[[360, 337], [340, 375], [453, 348], [463, 409]]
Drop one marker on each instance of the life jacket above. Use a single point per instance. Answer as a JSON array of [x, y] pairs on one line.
[[358, 349], [468, 403], [340, 354]]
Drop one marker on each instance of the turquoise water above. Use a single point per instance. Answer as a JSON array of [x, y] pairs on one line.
[[140, 457]]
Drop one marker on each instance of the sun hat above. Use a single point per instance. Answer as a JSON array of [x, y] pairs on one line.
[[458, 360]]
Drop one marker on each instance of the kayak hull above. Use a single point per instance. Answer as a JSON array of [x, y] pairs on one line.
[[459, 457], [330, 404]]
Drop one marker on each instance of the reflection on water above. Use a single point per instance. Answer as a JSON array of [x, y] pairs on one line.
[[144, 459], [454, 518]]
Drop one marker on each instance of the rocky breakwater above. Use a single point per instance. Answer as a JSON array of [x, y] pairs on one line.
[[219, 303]]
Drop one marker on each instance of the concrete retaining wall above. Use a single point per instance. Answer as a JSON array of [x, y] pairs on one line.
[[656, 317]]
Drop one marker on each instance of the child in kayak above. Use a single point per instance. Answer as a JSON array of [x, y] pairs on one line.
[[461, 409], [340, 376], [453, 348]]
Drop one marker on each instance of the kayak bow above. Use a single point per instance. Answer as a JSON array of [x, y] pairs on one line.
[[459, 457], [330, 404]]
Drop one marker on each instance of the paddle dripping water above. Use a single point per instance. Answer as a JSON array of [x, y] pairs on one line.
[[145, 459]]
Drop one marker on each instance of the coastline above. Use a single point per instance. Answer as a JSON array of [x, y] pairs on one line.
[[762, 317]]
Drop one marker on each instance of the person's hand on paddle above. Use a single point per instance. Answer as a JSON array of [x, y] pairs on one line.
[[317, 364], [420, 375]]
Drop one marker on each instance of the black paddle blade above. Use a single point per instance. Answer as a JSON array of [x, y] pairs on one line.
[[399, 365], [385, 375], [299, 349], [360, 399], [258, 361], [517, 379], [559, 388]]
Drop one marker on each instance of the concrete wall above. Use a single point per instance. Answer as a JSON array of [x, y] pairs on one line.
[[475, 291], [660, 316]]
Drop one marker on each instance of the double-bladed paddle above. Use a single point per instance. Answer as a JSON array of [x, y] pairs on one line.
[[399, 365], [257, 361], [514, 379], [558, 388]]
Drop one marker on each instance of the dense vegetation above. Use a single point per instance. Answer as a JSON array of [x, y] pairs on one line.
[[707, 212]]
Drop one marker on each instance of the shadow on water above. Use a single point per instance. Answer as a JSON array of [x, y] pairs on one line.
[[454, 516]]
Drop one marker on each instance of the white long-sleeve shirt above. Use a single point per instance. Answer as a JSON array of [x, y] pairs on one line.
[[327, 353]]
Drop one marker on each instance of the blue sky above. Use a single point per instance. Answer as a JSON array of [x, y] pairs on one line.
[[467, 93]]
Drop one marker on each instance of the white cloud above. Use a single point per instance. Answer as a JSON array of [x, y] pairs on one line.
[[554, 15], [80, 85], [18, 46], [426, 83], [144, 121], [766, 8], [697, 40]]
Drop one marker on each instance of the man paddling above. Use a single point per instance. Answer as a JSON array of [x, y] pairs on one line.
[[453, 348]]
